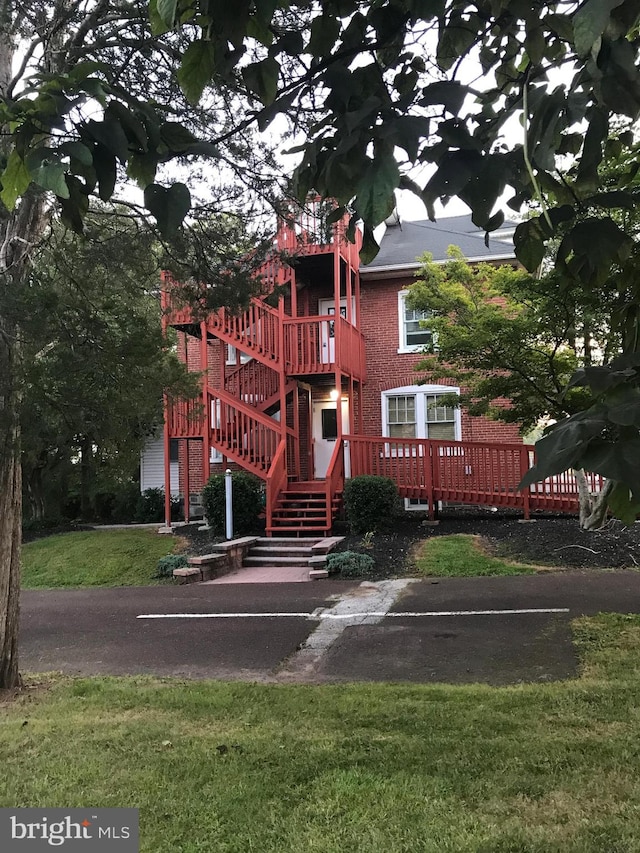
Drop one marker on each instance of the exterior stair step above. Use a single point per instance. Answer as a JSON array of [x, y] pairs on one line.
[[274, 560], [282, 551]]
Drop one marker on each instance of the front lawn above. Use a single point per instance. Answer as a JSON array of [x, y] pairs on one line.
[[462, 555], [94, 558], [232, 768]]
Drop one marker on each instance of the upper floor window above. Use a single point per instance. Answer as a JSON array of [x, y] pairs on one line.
[[413, 335]]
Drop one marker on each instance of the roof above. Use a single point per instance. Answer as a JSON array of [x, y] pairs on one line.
[[403, 244]]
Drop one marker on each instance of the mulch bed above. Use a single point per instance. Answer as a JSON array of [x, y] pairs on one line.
[[547, 540]]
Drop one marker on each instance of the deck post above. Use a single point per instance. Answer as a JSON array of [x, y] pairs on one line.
[[206, 436], [187, 486], [167, 466], [524, 467]]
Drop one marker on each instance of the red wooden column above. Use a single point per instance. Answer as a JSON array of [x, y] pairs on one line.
[[167, 465], [187, 486], [206, 425], [337, 335]]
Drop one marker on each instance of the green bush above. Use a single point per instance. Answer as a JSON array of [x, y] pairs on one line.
[[150, 507], [350, 564], [370, 502], [247, 503], [166, 565]]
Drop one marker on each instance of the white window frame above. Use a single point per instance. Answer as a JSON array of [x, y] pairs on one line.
[[421, 392], [232, 354], [403, 347]]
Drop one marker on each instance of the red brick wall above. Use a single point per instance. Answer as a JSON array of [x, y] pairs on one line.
[[387, 368]]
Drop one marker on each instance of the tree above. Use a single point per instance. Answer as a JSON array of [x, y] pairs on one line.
[[96, 363], [513, 341], [360, 84]]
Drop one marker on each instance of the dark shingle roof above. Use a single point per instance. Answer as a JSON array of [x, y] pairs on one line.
[[402, 244]]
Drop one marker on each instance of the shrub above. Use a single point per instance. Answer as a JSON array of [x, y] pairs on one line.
[[247, 502], [370, 503], [167, 564], [150, 507], [350, 564]]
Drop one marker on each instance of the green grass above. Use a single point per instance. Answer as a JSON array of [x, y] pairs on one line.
[[232, 768], [94, 558], [462, 556]]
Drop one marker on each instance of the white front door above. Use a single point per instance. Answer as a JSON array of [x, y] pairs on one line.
[[325, 433], [327, 331]]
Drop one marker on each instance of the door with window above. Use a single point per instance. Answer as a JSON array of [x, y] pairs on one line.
[[325, 433], [327, 328]]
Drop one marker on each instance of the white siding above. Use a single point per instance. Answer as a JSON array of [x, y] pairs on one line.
[[152, 467]]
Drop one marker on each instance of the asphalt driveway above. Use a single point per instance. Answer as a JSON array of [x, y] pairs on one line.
[[495, 630]]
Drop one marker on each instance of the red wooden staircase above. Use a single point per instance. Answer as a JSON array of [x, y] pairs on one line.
[[252, 413]]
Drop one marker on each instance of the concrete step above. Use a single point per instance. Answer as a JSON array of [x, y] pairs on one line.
[[274, 560], [281, 551]]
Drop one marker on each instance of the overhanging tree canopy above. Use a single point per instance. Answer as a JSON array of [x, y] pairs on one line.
[[371, 90]]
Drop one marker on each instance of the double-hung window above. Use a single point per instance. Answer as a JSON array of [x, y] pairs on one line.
[[415, 411], [414, 335]]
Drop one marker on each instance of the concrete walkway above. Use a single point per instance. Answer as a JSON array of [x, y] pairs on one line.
[[264, 574]]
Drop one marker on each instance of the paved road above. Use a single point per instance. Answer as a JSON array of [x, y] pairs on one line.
[[325, 631]]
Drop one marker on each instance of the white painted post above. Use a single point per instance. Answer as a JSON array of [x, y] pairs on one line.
[[228, 497]]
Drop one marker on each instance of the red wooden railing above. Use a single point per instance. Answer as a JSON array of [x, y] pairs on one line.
[[253, 383], [464, 472], [334, 480], [276, 481], [242, 434], [311, 346], [185, 418], [256, 331]]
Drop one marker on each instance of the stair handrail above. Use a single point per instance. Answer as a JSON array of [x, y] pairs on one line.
[[276, 481], [334, 478]]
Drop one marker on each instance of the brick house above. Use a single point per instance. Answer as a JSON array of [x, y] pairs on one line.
[[323, 386]]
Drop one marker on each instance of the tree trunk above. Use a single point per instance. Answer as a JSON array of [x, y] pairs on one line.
[[592, 507], [10, 508], [19, 233]]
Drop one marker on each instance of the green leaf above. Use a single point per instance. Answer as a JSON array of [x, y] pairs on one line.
[[623, 505], [261, 78], [168, 206], [563, 445], [369, 246], [142, 168], [529, 244], [158, 26], [15, 180], [105, 165], [78, 151], [50, 176], [325, 30], [167, 11], [74, 209], [590, 22], [110, 135], [196, 70], [375, 198], [446, 92]]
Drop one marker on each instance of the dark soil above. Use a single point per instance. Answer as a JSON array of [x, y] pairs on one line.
[[546, 541]]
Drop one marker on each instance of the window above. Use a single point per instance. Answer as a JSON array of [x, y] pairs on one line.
[[415, 412], [329, 424], [440, 420], [413, 337], [401, 416], [232, 354]]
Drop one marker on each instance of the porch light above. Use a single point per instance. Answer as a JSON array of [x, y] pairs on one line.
[[334, 394]]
